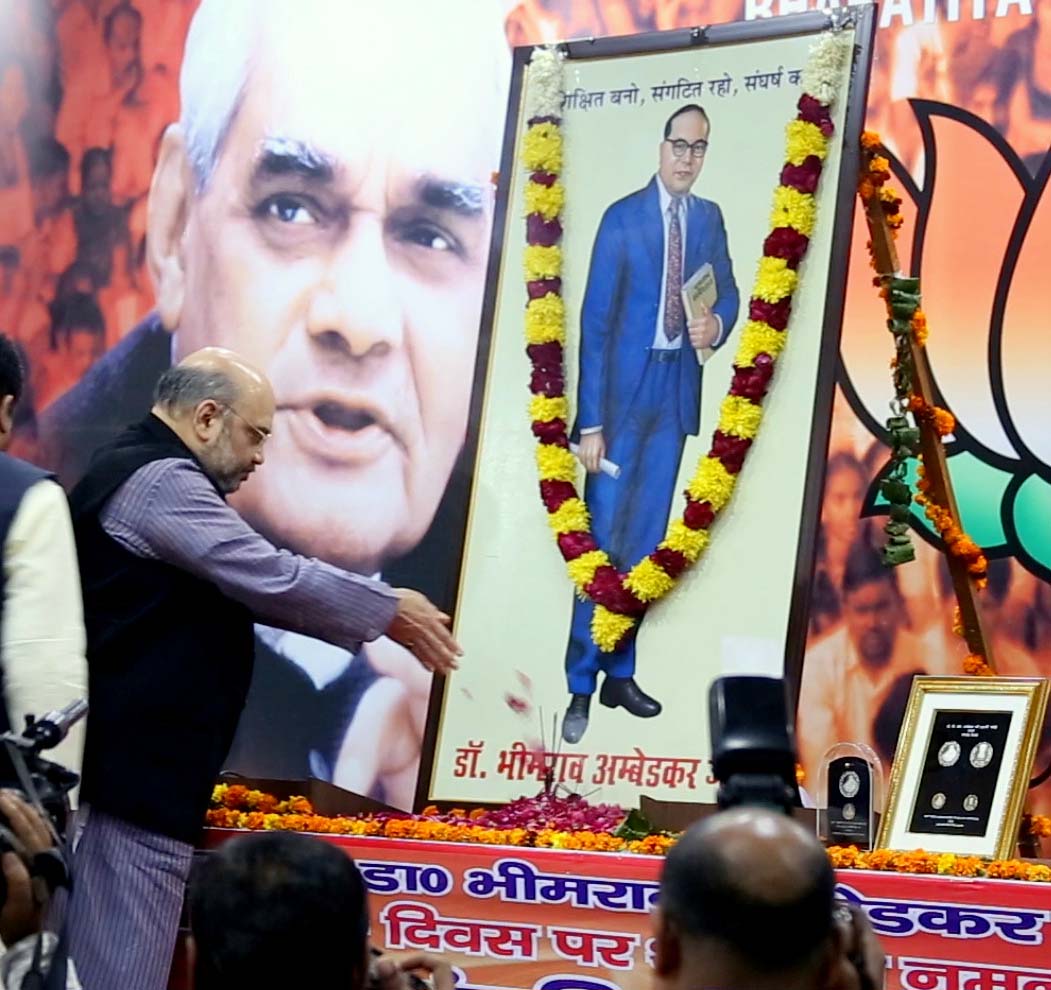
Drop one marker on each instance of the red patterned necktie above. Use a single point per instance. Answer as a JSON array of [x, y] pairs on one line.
[[674, 318]]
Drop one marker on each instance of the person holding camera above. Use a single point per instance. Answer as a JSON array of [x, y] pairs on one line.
[[282, 909], [24, 837], [42, 663], [747, 902]]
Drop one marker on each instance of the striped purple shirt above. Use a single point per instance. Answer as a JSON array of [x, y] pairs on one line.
[[168, 510]]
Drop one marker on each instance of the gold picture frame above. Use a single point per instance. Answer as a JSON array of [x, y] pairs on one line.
[[961, 769]]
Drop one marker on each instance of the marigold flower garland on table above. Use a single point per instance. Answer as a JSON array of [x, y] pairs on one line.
[[548, 822], [908, 323], [622, 597]]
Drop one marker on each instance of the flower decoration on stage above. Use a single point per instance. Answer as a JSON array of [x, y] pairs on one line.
[[572, 823], [622, 597]]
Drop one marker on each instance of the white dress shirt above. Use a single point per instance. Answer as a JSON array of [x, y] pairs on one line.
[[42, 649]]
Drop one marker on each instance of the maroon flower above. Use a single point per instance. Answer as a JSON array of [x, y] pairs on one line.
[[541, 287], [803, 176], [550, 432], [554, 493], [543, 178], [541, 232], [546, 357], [573, 545], [673, 562], [776, 314], [730, 450], [698, 515], [752, 383], [787, 243], [816, 112], [549, 119], [607, 588], [547, 383]]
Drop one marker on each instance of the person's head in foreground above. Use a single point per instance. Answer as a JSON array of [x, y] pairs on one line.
[[222, 409], [746, 903], [12, 382], [278, 910]]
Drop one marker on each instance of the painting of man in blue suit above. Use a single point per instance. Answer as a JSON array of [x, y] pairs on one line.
[[639, 388]]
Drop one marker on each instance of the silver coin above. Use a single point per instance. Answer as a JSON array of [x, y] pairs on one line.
[[981, 755], [849, 784], [849, 812], [938, 801], [970, 802], [949, 753]]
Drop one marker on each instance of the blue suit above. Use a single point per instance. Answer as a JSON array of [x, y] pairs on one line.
[[646, 401]]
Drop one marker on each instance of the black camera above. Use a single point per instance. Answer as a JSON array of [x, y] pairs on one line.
[[753, 743], [44, 784]]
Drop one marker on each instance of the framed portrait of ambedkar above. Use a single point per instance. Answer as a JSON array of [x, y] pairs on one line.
[[652, 400]]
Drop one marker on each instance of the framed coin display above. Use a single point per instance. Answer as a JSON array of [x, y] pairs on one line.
[[962, 764]]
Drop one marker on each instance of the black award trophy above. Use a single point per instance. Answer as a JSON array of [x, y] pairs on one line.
[[852, 780]]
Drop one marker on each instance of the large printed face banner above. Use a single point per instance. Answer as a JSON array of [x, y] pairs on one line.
[[325, 209]]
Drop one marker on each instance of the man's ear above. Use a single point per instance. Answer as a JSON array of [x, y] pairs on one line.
[[7, 419], [208, 419], [167, 211], [667, 947]]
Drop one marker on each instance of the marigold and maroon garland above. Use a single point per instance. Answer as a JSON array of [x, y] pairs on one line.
[[908, 324], [622, 597]]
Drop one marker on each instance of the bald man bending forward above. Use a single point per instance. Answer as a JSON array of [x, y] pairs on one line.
[[173, 581]]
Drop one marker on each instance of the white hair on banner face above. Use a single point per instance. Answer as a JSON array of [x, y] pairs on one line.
[[224, 34]]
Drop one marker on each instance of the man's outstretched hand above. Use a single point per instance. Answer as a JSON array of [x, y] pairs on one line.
[[424, 630]]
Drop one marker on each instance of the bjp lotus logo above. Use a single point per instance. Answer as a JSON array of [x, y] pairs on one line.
[[978, 232]]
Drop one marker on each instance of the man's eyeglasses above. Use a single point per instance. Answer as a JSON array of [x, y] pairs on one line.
[[680, 147], [261, 435]]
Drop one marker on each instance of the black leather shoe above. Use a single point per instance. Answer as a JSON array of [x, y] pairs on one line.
[[623, 692], [575, 721]]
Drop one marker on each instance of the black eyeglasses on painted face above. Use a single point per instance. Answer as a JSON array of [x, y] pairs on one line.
[[680, 147]]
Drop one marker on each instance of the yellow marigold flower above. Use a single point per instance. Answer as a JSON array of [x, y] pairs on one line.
[[740, 417], [542, 262], [542, 148], [555, 463], [543, 410], [608, 628], [691, 543], [758, 338], [805, 139], [774, 280], [545, 200], [545, 319], [570, 517], [793, 208], [649, 581], [582, 569], [712, 483]]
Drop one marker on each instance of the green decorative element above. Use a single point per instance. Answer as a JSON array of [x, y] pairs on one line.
[[1032, 518], [903, 299], [635, 827]]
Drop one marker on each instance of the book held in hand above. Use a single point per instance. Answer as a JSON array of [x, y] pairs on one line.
[[697, 291]]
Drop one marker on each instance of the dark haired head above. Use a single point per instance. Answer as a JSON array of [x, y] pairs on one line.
[[12, 373], [688, 108], [121, 10], [864, 566], [753, 888], [77, 312], [278, 909], [92, 158]]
